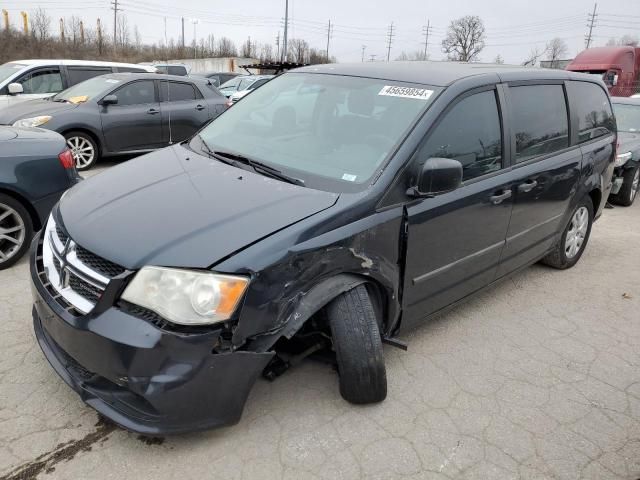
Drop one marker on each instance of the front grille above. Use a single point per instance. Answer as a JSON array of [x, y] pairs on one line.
[[102, 266], [84, 289], [76, 277]]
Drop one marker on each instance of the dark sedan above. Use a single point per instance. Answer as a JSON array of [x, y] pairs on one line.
[[35, 170], [626, 176], [122, 113]]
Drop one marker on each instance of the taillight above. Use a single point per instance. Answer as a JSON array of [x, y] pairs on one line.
[[66, 159]]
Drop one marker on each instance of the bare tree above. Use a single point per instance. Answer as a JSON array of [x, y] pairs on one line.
[[226, 48], [498, 60], [465, 39], [122, 32], [298, 51], [266, 53], [556, 49], [534, 57], [40, 24], [417, 55]]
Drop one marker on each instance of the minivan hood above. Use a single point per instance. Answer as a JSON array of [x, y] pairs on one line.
[[176, 208], [32, 108]]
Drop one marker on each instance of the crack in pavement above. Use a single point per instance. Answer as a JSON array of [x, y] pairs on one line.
[[62, 453]]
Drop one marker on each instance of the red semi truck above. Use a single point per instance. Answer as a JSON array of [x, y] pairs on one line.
[[619, 67]]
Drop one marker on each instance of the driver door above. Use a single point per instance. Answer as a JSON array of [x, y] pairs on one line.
[[455, 240]]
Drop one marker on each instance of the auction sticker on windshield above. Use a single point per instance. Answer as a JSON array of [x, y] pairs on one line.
[[406, 92]]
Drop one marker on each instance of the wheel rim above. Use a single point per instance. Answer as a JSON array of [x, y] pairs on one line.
[[12, 232], [82, 150], [634, 185], [577, 232]]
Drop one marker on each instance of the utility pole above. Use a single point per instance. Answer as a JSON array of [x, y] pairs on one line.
[[364, 47], [328, 37], [99, 33], [278, 45], [592, 20], [182, 19], [390, 36], [425, 31], [5, 16], [115, 25], [195, 41], [372, 57], [62, 29], [286, 27], [25, 22], [81, 32]]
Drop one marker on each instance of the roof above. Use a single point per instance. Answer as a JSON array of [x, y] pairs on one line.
[[439, 74], [93, 63], [626, 100], [601, 58], [156, 76]]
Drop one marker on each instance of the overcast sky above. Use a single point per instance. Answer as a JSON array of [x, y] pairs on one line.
[[513, 27]]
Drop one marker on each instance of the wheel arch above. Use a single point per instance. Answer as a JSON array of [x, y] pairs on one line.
[[595, 194]]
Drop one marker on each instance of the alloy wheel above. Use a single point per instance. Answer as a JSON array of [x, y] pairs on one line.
[[635, 184], [82, 150], [577, 232], [12, 232]]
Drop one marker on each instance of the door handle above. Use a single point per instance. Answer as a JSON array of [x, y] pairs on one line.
[[199, 107], [498, 198], [527, 186], [152, 111]]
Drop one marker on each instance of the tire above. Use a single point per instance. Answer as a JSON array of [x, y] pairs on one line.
[[84, 148], [16, 230], [629, 189], [566, 253], [358, 346]]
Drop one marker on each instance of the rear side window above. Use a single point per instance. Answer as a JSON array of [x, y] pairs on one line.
[[470, 133], [540, 120], [176, 92], [136, 93], [80, 74], [591, 104], [177, 70]]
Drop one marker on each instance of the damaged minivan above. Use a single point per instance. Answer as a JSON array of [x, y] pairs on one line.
[[331, 209]]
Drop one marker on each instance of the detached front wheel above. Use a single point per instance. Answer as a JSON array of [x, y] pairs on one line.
[[358, 346], [629, 189]]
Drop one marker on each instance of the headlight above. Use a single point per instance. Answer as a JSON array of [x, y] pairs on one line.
[[33, 121], [186, 297], [622, 158]]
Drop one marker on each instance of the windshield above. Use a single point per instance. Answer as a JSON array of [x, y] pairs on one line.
[[233, 83], [8, 69], [331, 131], [627, 117], [85, 91]]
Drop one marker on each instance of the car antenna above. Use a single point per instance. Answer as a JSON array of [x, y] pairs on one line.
[[166, 46]]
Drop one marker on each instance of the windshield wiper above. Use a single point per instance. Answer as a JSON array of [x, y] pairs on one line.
[[258, 166], [59, 100], [207, 149]]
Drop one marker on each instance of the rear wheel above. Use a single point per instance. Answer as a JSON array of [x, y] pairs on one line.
[[84, 149], [16, 229], [629, 189], [574, 238], [358, 346]]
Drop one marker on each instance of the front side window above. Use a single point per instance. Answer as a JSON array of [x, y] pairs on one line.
[[470, 133], [595, 117], [42, 81], [176, 92], [334, 132], [136, 93], [540, 120]]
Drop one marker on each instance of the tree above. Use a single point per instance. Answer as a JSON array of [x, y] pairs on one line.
[[533, 57], [465, 39], [226, 48], [122, 32], [498, 60], [298, 51], [625, 40], [40, 24], [556, 49], [417, 55]]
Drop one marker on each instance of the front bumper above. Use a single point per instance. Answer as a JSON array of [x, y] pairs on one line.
[[144, 378]]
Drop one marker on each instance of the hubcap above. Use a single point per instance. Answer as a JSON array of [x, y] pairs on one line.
[[635, 184], [12, 232], [82, 150], [577, 232]]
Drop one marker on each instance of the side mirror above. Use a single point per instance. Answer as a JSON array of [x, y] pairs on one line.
[[438, 175], [109, 100], [15, 88]]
